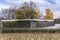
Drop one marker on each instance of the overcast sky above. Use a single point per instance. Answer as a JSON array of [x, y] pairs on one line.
[[54, 5]]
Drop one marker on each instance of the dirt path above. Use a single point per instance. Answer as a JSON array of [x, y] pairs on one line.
[[29, 36]]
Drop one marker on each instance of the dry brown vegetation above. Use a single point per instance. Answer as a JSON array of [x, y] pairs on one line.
[[30, 36]]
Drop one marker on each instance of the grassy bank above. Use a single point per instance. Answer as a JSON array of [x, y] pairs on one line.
[[18, 30]]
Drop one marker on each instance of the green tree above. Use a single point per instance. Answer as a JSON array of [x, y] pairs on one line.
[[27, 11]]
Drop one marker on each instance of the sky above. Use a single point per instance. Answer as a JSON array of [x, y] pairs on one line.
[[53, 5]]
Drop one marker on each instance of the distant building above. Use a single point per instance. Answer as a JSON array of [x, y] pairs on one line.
[[57, 21]]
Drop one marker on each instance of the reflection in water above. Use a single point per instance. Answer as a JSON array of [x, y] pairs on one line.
[[54, 27]]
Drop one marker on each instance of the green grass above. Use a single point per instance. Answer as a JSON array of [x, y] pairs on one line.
[[13, 30]]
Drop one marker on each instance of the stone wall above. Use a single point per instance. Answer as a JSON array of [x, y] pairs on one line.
[[31, 24], [37, 24]]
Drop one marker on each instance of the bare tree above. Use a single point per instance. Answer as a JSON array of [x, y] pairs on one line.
[[29, 5], [27, 11], [32, 5]]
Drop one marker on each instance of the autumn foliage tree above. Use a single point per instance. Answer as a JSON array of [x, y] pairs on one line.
[[49, 14], [27, 11]]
